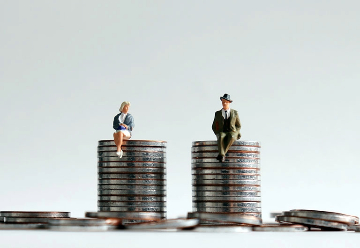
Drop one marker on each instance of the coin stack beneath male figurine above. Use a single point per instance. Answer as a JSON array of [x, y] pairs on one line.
[[231, 187], [135, 183]]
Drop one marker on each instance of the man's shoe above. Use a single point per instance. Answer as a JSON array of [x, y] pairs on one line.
[[222, 159], [219, 157]]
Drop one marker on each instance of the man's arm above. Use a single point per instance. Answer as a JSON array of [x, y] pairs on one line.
[[215, 125]]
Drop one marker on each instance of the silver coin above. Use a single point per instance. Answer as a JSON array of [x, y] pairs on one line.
[[24, 220], [355, 228], [131, 204], [132, 198], [225, 171], [131, 170], [131, 181], [131, 176], [166, 224], [132, 192], [236, 143], [225, 177], [133, 209], [126, 215], [312, 222], [232, 218], [131, 159], [222, 229], [227, 160], [323, 215], [280, 228], [22, 226], [226, 188], [134, 143], [79, 222], [226, 198], [134, 154], [132, 164], [274, 214], [131, 187], [82, 228], [214, 222], [34, 214], [195, 155], [217, 182], [218, 165], [226, 210], [131, 149], [227, 204], [226, 193], [232, 149]]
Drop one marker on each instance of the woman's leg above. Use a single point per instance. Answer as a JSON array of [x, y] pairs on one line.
[[118, 139]]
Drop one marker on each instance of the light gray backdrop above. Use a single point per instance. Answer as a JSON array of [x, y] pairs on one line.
[[291, 67]]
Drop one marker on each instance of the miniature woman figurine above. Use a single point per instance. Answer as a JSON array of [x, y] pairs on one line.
[[123, 124]]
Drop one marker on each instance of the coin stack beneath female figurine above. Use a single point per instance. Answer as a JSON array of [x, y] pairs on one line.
[[135, 183], [231, 187]]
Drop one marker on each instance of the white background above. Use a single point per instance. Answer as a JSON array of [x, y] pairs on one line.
[[291, 67]]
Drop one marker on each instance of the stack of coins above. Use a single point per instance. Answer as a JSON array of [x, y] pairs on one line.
[[137, 181], [29, 220], [318, 219], [231, 187]]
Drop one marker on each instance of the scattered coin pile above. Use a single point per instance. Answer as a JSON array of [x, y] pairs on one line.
[[29, 220], [231, 187], [134, 183], [319, 219]]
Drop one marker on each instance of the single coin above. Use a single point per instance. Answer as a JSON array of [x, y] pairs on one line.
[[227, 160], [355, 228], [324, 215], [257, 215], [203, 166], [226, 193], [131, 204], [225, 171], [80, 222], [166, 224], [132, 176], [29, 214], [274, 214], [247, 155], [134, 143], [82, 228], [132, 192], [22, 226], [227, 188], [125, 215], [225, 177], [232, 218], [131, 170], [132, 164], [131, 187], [133, 209], [226, 198], [227, 210], [232, 149], [131, 159], [131, 149], [132, 198], [132, 181], [236, 143], [312, 222], [217, 182], [134, 154], [227, 204], [24, 220], [280, 228], [222, 229]]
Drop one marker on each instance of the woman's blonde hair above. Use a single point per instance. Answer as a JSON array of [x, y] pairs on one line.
[[123, 105]]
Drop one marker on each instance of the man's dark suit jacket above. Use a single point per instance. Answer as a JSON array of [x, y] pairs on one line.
[[218, 123]]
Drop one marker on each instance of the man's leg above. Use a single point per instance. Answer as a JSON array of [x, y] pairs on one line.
[[220, 140], [229, 140]]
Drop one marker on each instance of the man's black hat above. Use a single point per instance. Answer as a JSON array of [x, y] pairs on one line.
[[226, 97]]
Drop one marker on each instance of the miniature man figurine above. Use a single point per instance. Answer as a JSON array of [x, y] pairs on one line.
[[226, 126]]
